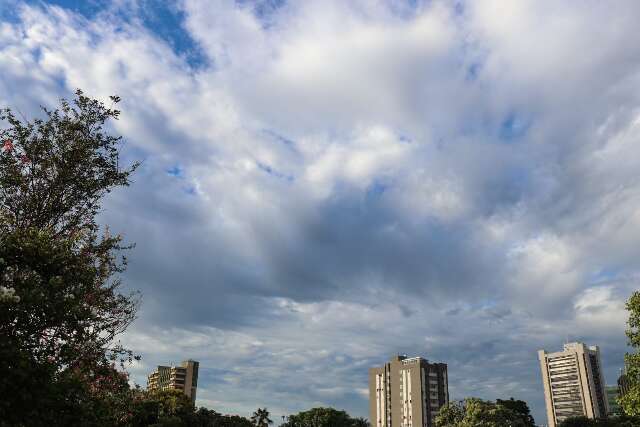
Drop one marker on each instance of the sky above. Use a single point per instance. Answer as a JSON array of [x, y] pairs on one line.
[[325, 184]]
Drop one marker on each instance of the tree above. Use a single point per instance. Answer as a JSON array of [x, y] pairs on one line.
[[260, 418], [320, 417], [143, 410], [204, 417], [622, 421], [173, 403], [233, 421], [360, 422], [451, 415], [60, 306], [174, 408], [630, 400], [489, 414], [478, 412], [577, 422], [520, 408]]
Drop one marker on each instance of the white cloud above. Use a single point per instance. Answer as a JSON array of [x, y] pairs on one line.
[[546, 268], [368, 178], [600, 309]]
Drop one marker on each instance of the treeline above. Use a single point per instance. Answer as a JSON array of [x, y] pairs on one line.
[[324, 417], [512, 413], [478, 412], [616, 421], [172, 408]]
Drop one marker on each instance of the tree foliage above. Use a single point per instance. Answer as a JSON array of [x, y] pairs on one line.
[[622, 421], [173, 403], [477, 412], [174, 408], [232, 421], [323, 417], [361, 422], [260, 418], [520, 408], [630, 400], [60, 305]]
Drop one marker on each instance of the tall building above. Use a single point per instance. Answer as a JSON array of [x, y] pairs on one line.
[[612, 400], [573, 383], [183, 377], [623, 383], [407, 392]]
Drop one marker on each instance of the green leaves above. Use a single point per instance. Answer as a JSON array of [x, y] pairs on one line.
[[477, 412], [60, 306], [633, 332], [630, 399], [58, 169], [322, 417], [260, 418], [622, 421]]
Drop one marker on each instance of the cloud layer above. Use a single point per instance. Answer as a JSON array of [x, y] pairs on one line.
[[327, 183]]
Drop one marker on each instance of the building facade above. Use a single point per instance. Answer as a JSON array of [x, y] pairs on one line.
[[407, 392], [623, 383], [183, 378], [573, 383], [612, 400]]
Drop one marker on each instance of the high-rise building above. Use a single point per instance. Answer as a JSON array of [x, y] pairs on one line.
[[183, 378], [573, 383], [612, 400], [407, 392], [623, 383]]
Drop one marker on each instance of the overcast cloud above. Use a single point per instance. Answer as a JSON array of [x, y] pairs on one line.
[[327, 183]]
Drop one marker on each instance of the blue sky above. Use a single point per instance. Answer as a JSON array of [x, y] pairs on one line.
[[327, 183]]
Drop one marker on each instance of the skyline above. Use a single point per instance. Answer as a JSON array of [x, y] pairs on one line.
[[322, 182]]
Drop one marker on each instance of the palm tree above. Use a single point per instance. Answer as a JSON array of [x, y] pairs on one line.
[[260, 418]]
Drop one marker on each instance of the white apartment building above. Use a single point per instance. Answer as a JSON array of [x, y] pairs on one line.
[[573, 383]]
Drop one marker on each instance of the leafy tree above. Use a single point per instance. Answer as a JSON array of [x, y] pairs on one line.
[[360, 422], [451, 415], [320, 417], [577, 422], [172, 421], [478, 412], [520, 408], [173, 408], [60, 306], [489, 414], [233, 421], [143, 410], [622, 421], [260, 418], [630, 400], [204, 417], [173, 403]]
